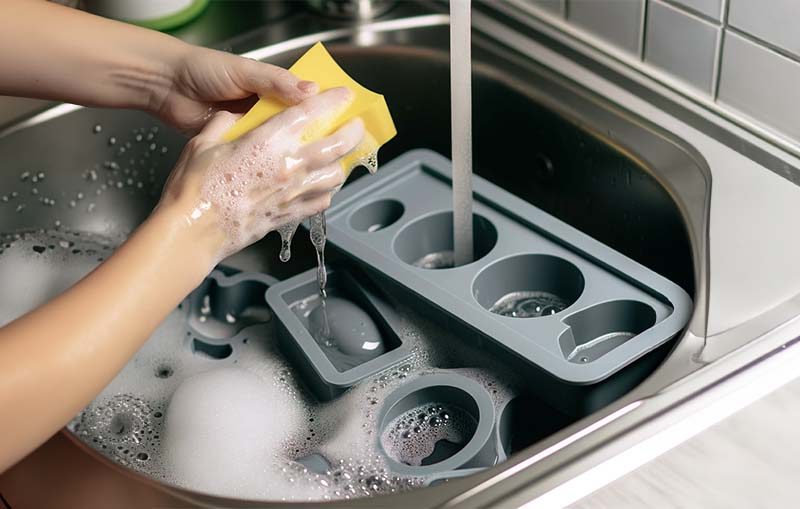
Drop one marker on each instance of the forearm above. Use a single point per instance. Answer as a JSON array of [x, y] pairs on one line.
[[52, 52], [56, 359]]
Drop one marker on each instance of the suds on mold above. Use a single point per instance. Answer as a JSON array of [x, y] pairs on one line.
[[251, 417], [428, 433], [129, 422]]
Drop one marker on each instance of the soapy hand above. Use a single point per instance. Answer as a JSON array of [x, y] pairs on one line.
[[233, 194], [203, 81]]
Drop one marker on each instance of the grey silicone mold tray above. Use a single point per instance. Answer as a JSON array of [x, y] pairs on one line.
[[599, 310], [223, 310], [364, 328]]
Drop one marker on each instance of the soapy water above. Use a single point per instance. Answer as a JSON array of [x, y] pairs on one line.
[[287, 233], [528, 304], [318, 233], [37, 265], [235, 427], [428, 434]]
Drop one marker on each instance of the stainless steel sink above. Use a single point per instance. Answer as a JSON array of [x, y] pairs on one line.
[[582, 141]]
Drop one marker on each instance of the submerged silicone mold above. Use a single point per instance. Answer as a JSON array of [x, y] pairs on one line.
[[330, 369], [223, 309]]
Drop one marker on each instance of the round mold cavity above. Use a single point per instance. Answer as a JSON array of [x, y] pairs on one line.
[[427, 242], [528, 286], [376, 216], [408, 423]]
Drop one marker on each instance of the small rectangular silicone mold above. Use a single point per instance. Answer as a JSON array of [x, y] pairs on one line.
[[595, 310], [324, 372]]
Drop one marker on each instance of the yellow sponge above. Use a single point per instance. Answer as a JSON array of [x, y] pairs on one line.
[[318, 65]]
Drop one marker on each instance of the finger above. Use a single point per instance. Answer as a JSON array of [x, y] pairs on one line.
[[273, 81], [329, 150], [322, 180], [219, 124], [314, 111], [312, 206]]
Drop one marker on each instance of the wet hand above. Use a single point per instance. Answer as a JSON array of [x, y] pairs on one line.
[[230, 195], [201, 82]]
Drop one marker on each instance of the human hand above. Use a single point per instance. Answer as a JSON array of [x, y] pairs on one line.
[[200, 81], [232, 194]]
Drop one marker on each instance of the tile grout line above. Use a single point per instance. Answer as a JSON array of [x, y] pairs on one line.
[[643, 32], [692, 12], [717, 70], [763, 44]]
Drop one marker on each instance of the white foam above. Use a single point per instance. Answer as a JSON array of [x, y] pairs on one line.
[[223, 432], [36, 266], [227, 409], [237, 189]]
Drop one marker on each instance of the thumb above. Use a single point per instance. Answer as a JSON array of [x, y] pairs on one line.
[[218, 125], [273, 81]]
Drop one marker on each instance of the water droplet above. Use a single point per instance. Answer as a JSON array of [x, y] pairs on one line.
[[97, 128], [112, 141]]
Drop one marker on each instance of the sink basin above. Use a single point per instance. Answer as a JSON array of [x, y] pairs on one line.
[[551, 141]]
